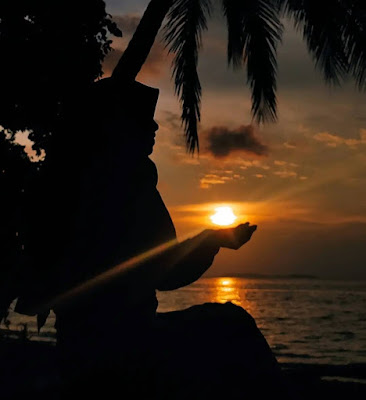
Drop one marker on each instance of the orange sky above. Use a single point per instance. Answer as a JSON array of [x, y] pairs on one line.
[[302, 180]]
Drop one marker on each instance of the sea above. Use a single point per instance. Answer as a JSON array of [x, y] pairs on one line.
[[313, 321]]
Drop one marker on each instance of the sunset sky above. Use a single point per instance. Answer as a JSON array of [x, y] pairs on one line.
[[302, 179]]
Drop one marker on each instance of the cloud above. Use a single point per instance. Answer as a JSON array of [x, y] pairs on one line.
[[172, 119], [155, 65], [211, 179], [111, 61], [158, 61], [287, 169], [127, 23], [286, 174], [332, 140], [289, 145], [281, 163], [222, 141], [285, 164], [218, 178], [245, 164]]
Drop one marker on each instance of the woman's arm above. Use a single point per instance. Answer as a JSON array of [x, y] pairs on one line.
[[187, 261]]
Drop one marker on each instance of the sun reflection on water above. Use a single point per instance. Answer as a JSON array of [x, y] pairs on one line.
[[227, 289]]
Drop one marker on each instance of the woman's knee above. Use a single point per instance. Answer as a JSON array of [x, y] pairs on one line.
[[227, 316]]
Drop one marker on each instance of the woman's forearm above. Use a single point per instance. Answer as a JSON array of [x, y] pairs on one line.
[[187, 261]]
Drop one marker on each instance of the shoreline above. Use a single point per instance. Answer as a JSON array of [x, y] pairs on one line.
[[31, 366]]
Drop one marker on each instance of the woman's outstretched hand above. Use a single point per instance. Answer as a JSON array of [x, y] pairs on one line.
[[190, 259], [234, 238]]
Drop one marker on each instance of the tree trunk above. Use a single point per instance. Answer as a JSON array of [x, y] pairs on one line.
[[142, 41]]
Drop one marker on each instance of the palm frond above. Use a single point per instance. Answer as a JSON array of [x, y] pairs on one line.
[[324, 28], [234, 19], [355, 34], [254, 32], [182, 33]]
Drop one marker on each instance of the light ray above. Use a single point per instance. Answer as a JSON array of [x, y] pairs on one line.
[[335, 172], [115, 272]]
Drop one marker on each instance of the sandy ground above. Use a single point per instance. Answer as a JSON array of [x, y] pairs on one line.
[[29, 369]]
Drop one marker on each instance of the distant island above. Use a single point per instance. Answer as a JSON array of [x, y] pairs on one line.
[[265, 276]]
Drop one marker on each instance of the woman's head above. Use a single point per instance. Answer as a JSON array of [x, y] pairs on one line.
[[131, 133], [122, 117]]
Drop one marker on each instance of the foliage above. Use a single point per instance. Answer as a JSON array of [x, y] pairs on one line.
[[50, 51], [254, 33], [186, 21], [12, 166]]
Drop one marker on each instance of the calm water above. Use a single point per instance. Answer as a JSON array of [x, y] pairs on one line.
[[306, 321]]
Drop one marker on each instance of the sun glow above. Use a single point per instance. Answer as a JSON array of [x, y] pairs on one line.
[[227, 289], [223, 216]]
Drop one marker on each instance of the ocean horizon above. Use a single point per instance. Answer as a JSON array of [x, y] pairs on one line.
[[305, 320]]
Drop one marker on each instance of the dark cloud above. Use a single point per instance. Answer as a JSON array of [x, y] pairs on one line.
[[127, 23], [158, 61], [111, 61], [222, 141], [155, 64], [173, 121]]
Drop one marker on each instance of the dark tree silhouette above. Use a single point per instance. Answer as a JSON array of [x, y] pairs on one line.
[[50, 51], [12, 165]]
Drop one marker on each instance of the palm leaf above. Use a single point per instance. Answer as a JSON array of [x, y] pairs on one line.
[[254, 31], [355, 34], [233, 11], [185, 22], [324, 29]]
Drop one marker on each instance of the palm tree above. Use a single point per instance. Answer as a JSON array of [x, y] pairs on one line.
[[335, 34]]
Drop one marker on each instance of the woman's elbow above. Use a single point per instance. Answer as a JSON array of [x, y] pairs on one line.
[[171, 284], [175, 282]]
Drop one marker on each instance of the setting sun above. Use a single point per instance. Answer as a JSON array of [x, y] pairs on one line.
[[224, 216]]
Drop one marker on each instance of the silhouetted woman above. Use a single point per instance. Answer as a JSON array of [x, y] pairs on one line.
[[110, 336]]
